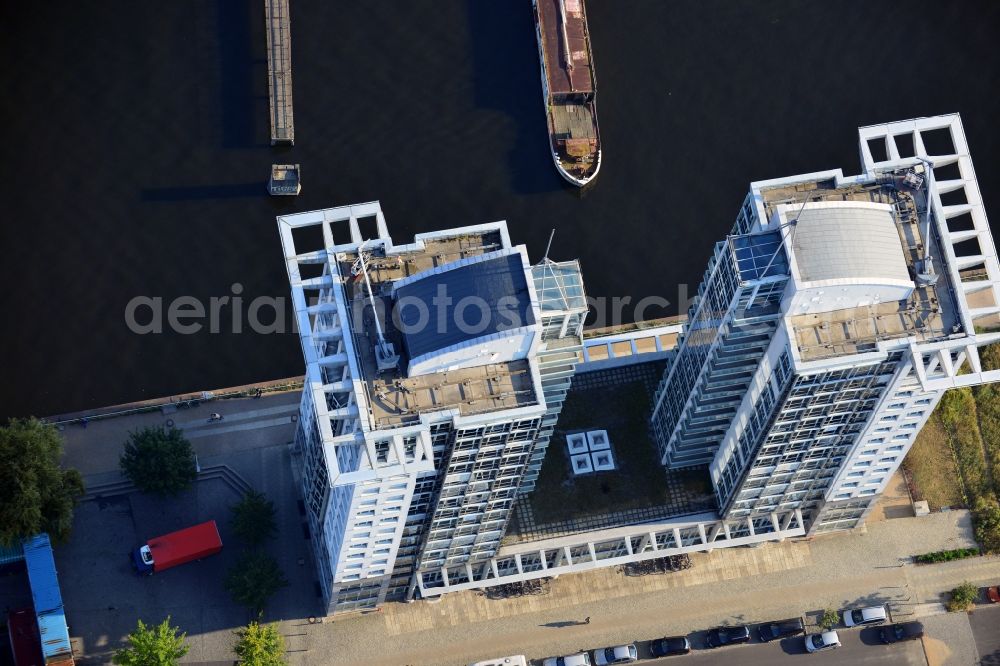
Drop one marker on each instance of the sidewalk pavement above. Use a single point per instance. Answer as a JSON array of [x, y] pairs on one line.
[[727, 586], [949, 641], [248, 423]]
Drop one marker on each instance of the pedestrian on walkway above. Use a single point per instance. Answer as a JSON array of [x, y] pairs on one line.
[[215, 417], [587, 620]]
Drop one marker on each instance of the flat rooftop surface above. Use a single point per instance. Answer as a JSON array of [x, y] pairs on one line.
[[639, 490], [858, 330], [396, 399], [928, 314]]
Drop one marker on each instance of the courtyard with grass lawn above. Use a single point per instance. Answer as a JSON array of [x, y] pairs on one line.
[[955, 461], [637, 490]]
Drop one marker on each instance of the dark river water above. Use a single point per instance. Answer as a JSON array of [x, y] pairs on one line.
[[135, 146]]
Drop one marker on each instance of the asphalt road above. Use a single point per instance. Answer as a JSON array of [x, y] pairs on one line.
[[857, 647], [985, 623]]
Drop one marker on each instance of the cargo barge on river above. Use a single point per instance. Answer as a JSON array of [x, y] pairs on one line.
[[569, 88]]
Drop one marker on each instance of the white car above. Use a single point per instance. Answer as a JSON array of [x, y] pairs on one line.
[[825, 641], [862, 617], [620, 654], [581, 659]]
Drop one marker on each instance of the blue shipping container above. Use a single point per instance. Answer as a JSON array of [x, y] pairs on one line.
[[47, 598]]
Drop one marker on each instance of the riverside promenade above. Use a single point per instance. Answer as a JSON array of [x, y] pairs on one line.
[[248, 423]]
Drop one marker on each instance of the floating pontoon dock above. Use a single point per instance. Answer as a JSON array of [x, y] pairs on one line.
[[279, 71]]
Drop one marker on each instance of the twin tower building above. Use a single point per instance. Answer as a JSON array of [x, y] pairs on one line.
[[827, 326]]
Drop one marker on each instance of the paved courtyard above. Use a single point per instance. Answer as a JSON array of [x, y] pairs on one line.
[[104, 597]]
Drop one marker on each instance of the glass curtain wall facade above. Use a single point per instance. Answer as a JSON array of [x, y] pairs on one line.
[[890, 293], [730, 326], [402, 469]]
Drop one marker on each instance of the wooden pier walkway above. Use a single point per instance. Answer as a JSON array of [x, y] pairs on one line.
[[279, 71]]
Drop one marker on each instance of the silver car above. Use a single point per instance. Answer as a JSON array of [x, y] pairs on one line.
[[580, 659], [828, 640], [863, 617], [620, 654]]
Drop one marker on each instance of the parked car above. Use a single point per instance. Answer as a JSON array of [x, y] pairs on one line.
[[863, 617], [670, 646], [580, 659], [828, 640], [721, 636], [993, 594], [619, 654], [770, 631], [904, 631]]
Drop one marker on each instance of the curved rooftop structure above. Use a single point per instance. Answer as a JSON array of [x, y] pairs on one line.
[[848, 241], [466, 313]]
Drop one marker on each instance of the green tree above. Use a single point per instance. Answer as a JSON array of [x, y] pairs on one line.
[[829, 619], [159, 460], [152, 646], [963, 597], [253, 518], [260, 645], [986, 515], [36, 494], [254, 579]]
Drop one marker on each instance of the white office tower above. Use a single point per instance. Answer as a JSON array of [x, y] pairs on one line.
[[829, 324], [435, 372]]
